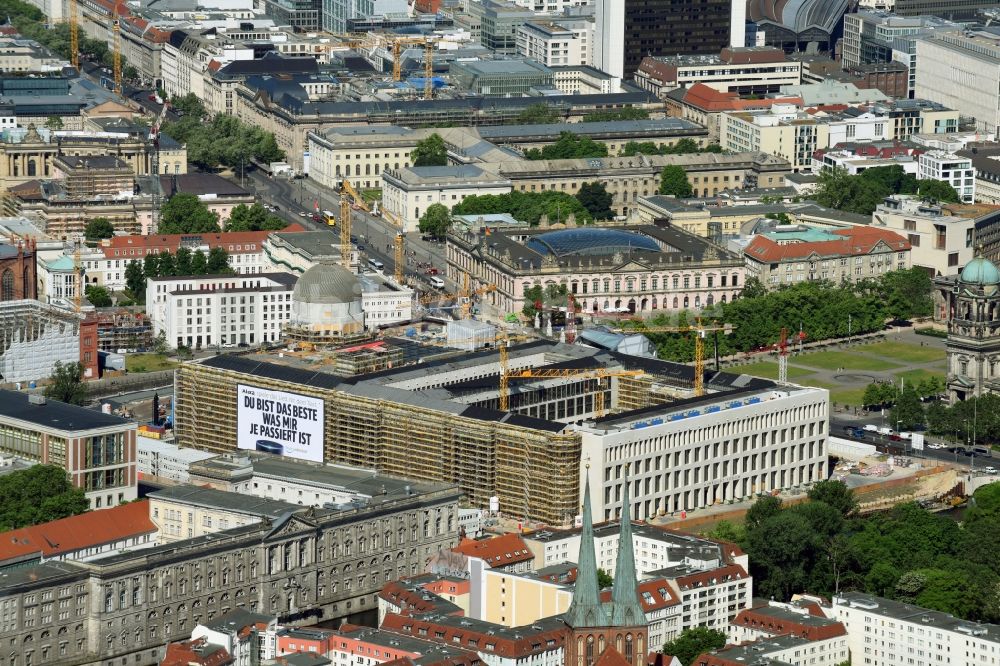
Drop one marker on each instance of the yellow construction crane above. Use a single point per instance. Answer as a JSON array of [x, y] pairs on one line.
[[116, 27], [400, 259], [74, 36], [392, 217], [699, 331], [396, 48], [600, 374], [348, 196]]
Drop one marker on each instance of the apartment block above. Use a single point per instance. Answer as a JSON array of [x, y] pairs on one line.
[[941, 236], [556, 44], [951, 169]]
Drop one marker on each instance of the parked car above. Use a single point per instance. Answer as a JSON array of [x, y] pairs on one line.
[[432, 271], [895, 438], [871, 428], [854, 431], [886, 431], [989, 469]]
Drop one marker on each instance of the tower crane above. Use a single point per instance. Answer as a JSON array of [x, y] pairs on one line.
[[393, 218], [400, 258], [783, 356], [348, 193], [153, 145], [74, 36], [699, 330], [116, 27], [396, 48]]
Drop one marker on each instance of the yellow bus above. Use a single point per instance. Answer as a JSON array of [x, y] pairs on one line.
[[329, 218]]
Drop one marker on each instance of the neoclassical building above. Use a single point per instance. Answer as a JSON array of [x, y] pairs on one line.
[[642, 268], [970, 304]]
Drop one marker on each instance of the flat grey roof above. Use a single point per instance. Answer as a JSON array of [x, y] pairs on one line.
[[56, 415], [226, 501], [662, 125]]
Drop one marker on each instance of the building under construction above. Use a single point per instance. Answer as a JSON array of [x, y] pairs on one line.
[[35, 336], [441, 420]]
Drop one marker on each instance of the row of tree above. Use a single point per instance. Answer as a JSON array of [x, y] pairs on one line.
[[971, 420], [222, 140], [863, 192], [182, 262], [822, 309], [910, 554], [187, 214], [527, 206], [682, 147]]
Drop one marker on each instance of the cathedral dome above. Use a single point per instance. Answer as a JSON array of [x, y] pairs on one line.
[[980, 271]]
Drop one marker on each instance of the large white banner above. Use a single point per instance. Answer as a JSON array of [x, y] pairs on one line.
[[285, 424]]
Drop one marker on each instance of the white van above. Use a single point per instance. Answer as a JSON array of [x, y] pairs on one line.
[[376, 264], [437, 282], [871, 428], [886, 431]]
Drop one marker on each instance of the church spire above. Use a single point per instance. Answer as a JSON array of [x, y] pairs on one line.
[[626, 611], [586, 609]]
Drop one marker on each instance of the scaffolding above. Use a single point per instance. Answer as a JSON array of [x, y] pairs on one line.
[[34, 337]]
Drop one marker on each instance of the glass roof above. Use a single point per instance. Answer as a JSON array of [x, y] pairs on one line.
[[591, 242]]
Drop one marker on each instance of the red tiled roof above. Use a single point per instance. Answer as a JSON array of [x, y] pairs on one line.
[[709, 99], [855, 241], [761, 620], [94, 528], [529, 641], [412, 601], [660, 595], [611, 657], [498, 551], [199, 651], [137, 245], [711, 577]]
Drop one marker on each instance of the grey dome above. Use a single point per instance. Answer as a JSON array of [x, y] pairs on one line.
[[327, 283]]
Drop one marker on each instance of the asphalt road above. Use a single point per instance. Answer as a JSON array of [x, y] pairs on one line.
[[839, 421], [375, 234]]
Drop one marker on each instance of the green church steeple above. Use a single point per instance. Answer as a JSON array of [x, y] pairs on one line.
[[626, 611], [586, 609]]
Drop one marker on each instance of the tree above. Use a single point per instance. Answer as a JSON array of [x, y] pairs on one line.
[[189, 105], [838, 189], [218, 261], [253, 218], [782, 550], [727, 531], [435, 221], [135, 281], [908, 413], [537, 114], [98, 296], [167, 264], [907, 293], [429, 152], [629, 113], [674, 182], [186, 214], [596, 200], [199, 264], [66, 384], [835, 494], [98, 229], [604, 579], [526, 206], [937, 190], [54, 123], [694, 642], [568, 146], [761, 510], [151, 265], [36, 495], [183, 259]]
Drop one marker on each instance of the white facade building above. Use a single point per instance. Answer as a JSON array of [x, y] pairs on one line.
[[691, 457], [407, 193], [949, 168], [166, 460], [555, 44], [212, 310], [608, 50], [882, 632], [949, 65]]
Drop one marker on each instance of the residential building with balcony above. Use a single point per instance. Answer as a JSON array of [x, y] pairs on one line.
[[951, 169]]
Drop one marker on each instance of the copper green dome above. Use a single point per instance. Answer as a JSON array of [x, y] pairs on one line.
[[980, 271]]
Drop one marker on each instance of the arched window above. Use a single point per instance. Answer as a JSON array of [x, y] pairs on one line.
[[629, 652], [7, 286], [590, 650]]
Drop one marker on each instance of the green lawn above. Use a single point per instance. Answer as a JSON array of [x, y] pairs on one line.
[[849, 360], [842, 394], [915, 376], [148, 362], [904, 351], [768, 370], [372, 194]]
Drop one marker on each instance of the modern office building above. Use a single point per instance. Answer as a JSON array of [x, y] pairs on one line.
[[556, 43], [942, 236], [951, 64], [97, 450], [753, 70], [951, 169], [666, 27], [220, 310]]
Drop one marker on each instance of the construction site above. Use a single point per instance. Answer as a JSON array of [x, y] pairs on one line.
[[519, 425]]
